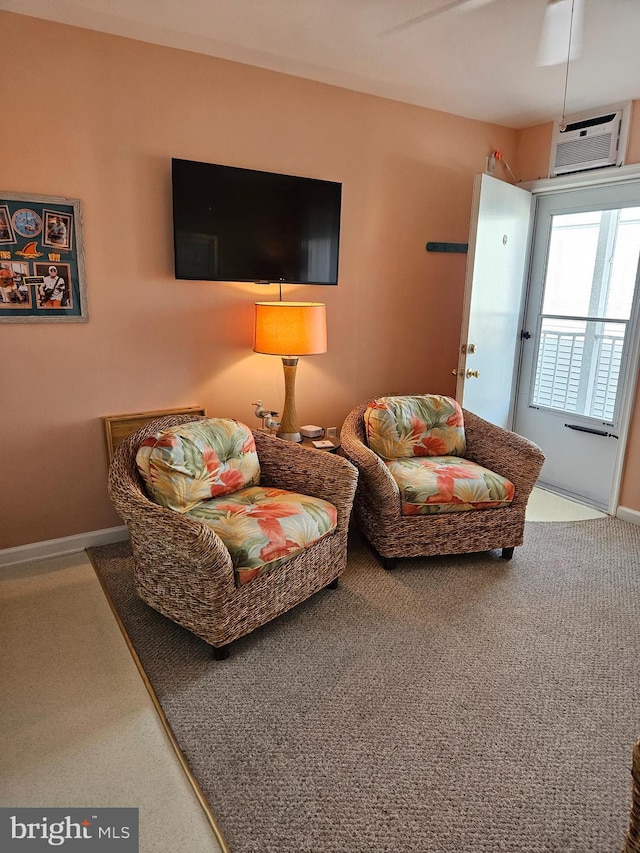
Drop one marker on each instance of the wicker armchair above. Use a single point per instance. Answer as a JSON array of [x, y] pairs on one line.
[[632, 844], [377, 506], [183, 569]]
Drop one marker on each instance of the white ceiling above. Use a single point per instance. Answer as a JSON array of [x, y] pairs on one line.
[[479, 63]]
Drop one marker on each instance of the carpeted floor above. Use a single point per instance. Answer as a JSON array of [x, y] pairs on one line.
[[454, 705]]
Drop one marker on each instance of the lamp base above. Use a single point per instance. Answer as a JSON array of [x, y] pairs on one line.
[[289, 429], [289, 436]]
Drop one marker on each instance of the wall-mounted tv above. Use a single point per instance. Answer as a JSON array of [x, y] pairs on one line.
[[232, 224]]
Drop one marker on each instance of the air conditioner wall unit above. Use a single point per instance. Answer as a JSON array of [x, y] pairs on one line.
[[592, 140]]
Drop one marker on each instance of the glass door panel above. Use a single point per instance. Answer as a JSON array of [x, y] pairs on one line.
[[586, 305], [578, 366]]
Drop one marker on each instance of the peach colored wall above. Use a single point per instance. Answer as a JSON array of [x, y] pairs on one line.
[[120, 109], [533, 146]]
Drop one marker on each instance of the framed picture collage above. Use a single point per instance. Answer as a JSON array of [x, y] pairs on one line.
[[42, 276]]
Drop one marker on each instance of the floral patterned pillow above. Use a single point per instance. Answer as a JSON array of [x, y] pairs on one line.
[[421, 425], [187, 464]]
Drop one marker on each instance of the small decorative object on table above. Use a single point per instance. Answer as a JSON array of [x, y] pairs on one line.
[[326, 445], [312, 431], [266, 416]]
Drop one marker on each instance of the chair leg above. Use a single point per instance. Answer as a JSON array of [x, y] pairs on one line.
[[507, 553], [387, 563], [221, 652], [333, 584]]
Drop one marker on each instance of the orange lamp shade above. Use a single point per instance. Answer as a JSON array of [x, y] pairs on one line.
[[290, 328]]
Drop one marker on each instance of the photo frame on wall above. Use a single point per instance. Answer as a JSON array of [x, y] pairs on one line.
[[42, 272], [6, 231]]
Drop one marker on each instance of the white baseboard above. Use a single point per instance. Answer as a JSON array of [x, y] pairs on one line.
[[626, 514], [61, 547]]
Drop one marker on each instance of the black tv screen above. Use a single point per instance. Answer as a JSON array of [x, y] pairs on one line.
[[234, 224]]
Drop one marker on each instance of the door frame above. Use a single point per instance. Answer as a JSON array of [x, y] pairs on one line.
[[586, 180]]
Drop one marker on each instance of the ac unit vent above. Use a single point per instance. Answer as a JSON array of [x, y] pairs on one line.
[[590, 141], [578, 151]]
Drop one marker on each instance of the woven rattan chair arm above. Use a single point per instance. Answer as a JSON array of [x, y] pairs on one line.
[[191, 541], [186, 550], [504, 452], [374, 474], [195, 541], [285, 465]]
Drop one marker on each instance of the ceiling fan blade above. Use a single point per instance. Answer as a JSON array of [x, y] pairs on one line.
[[451, 6], [562, 28]]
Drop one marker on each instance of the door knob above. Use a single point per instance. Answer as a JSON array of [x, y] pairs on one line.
[[457, 372], [473, 374]]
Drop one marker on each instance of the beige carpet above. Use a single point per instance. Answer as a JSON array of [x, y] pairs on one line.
[[77, 726], [455, 704]]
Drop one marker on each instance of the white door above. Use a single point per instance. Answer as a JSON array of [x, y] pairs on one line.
[[492, 310], [581, 317]]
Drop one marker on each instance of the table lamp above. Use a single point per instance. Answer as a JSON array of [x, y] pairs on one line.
[[290, 329]]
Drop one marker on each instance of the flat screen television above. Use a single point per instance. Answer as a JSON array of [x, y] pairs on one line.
[[232, 224]]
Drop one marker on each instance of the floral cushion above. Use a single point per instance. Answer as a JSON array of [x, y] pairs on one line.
[[448, 484], [263, 527], [426, 425], [187, 464]]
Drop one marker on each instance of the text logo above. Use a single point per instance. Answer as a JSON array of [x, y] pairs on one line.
[[104, 830]]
